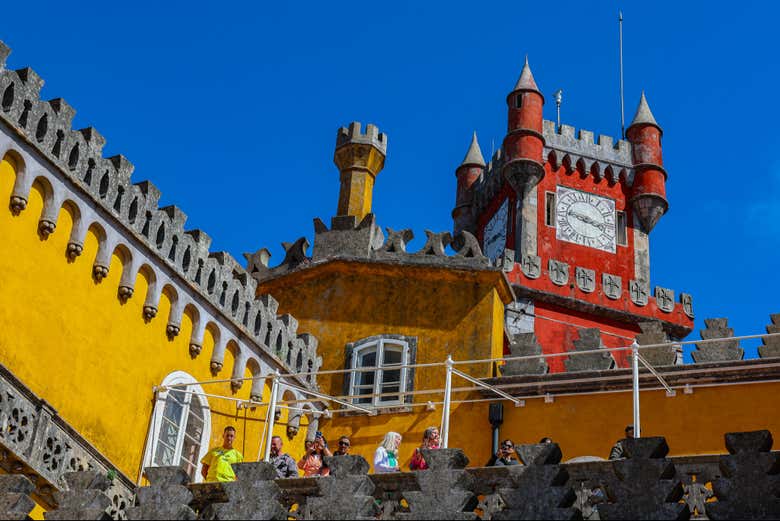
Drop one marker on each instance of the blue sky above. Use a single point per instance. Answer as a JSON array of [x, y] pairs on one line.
[[232, 109]]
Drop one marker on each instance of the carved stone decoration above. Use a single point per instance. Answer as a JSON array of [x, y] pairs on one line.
[[166, 498], [695, 496], [506, 261], [257, 263], [74, 250], [17, 204], [558, 272], [646, 485], [99, 272], [215, 367], [172, 331], [588, 500], [532, 266], [85, 497], [639, 292], [653, 333], [295, 253], [590, 339], [586, 279], [195, 349], [46, 227], [525, 344], [15, 500], [435, 244], [687, 304], [540, 487], [771, 344], [346, 493], [396, 240], [664, 299], [748, 488], [253, 495], [445, 488], [467, 246], [613, 285], [150, 312], [719, 351], [125, 293]]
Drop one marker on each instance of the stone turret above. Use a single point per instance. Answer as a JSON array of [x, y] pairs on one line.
[[467, 173], [524, 142], [359, 158], [648, 197]]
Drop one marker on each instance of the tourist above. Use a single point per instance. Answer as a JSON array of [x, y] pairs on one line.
[[618, 451], [344, 445], [386, 455], [282, 462], [545, 440], [430, 441], [313, 461], [504, 455], [217, 463]]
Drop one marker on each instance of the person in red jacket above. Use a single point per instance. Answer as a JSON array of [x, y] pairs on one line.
[[430, 441]]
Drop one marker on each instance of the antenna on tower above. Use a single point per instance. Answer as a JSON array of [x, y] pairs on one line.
[[558, 95], [622, 110]]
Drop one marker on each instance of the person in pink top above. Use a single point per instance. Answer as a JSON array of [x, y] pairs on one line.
[[313, 463]]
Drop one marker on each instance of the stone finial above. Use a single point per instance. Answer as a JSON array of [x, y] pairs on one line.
[[526, 80], [474, 154], [722, 351], [467, 246], [653, 333], [525, 344], [4, 52], [396, 240], [435, 244], [589, 340], [771, 344], [749, 483], [359, 158], [643, 114]]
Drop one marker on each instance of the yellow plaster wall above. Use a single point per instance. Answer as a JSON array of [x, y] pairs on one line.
[[92, 357], [455, 313]]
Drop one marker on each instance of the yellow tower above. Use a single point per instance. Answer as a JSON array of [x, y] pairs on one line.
[[359, 157]]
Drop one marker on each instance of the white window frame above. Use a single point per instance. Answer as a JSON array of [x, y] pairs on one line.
[[152, 438], [378, 344]]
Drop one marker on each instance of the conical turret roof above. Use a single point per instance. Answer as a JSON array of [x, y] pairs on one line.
[[526, 80], [643, 114], [474, 155]]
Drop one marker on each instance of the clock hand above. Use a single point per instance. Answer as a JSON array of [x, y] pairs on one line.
[[587, 220]]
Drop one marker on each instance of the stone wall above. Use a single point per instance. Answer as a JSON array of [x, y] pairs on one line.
[[646, 484]]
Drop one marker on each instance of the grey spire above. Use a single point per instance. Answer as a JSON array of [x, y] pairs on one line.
[[643, 115], [474, 155], [526, 80]]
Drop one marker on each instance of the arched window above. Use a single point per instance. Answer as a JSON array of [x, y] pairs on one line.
[[180, 427], [388, 353]]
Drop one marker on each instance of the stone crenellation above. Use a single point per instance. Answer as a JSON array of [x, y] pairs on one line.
[[645, 484], [770, 347], [602, 158], [45, 126], [353, 134]]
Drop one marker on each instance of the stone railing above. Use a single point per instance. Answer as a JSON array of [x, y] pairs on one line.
[[39, 444], [643, 485]]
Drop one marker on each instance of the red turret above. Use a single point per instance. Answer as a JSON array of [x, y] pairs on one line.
[[467, 173], [524, 142], [648, 196]]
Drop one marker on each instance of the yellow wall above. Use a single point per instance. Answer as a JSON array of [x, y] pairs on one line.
[[456, 313], [92, 357]]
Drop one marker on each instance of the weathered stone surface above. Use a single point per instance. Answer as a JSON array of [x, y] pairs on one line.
[[346, 493], [751, 479], [771, 344], [540, 487], [445, 488], [15, 500], [525, 344], [167, 497], [653, 333], [717, 351], [253, 495], [85, 497], [646, 486], [589, 340]]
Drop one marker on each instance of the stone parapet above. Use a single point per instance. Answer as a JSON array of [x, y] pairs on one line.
[[646, 484]]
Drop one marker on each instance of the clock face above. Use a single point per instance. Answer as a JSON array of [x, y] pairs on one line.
[[494, 235], [585, 219]]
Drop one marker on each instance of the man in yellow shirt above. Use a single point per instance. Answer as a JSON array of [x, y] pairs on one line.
[[217, 463]]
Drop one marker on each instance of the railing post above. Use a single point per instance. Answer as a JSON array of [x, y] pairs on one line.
[[445, 414], [635, 371], [271, 415]]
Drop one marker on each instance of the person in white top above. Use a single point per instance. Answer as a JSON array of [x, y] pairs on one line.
[[386, 455]]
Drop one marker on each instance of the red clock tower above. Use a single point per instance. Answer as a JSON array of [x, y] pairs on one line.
[[569, 218]]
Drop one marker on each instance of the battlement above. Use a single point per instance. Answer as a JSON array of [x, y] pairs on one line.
[[353, 134], [100, 188]]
